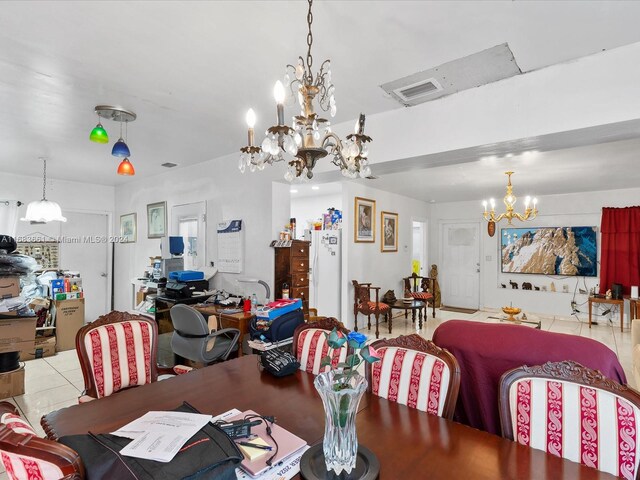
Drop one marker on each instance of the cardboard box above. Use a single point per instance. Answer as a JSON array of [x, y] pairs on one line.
[[9, 287], [44, 347], [12, 383], [69, 319], [17, 333]]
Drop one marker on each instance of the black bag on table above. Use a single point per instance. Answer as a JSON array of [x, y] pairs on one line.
[[211, 455], [278, 329]]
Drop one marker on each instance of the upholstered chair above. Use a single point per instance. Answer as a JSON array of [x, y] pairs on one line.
[[415, 372], [26, 456], [310, 344], [119, 351], [365, 305], [574, 412]]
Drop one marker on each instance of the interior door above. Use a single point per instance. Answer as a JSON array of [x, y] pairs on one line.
[[85, 248], [460, 282]]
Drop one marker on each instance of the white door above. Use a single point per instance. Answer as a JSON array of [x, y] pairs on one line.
[[460, 270], [419, 247], [85, 248]]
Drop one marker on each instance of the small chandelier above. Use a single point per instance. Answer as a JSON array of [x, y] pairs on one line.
[[120, 148], [509, 200], [43, 211], [310, 137]]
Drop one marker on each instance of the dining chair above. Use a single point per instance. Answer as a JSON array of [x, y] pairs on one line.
[[573, 412], [415, 372], [363, 304], [26, 456], [192, 339], [420, 288], [119, 351], [310, 344]]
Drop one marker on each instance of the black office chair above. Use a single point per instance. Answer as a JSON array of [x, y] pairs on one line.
[[192, 340]]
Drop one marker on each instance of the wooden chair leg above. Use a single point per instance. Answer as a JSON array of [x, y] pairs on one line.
[[377, 315], [355, 323], [389, 316], [369, 321], [433, 307]]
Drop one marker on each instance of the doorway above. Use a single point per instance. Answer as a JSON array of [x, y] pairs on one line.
[[460, 254], [188, 222], [419, 249]]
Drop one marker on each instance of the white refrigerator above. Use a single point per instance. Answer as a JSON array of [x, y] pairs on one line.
[[325, 272]]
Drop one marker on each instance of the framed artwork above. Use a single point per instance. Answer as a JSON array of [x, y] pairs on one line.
[[157, 220], [128, 228], [389, 232], [365, 220]]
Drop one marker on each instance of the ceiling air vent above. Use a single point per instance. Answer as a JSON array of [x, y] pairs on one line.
[[169, 165], [420, 89]]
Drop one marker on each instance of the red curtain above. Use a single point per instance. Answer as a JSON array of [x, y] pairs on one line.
[[620, 249]]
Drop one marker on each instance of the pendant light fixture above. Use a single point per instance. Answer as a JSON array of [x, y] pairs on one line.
[[509, 200], [120, 148], [44, 211]]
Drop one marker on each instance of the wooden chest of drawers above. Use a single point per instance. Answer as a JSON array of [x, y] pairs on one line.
[[292, 268]]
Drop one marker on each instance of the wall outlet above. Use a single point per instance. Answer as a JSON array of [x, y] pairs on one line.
[[488, 258], [212, 264]]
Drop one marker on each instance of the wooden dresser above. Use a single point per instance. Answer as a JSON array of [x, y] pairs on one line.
[[292, 267]]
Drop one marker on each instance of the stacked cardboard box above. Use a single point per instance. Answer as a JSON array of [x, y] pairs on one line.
[[69, 319]]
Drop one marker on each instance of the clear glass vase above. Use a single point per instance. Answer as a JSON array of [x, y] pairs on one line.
[[341, 394]]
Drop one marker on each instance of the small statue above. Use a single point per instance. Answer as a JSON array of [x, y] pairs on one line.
[[514, 285], [436, 286], [526, 286], [503, 285], [536, 288], [544, 288], [553, 287], [608, 295], [524, 317]]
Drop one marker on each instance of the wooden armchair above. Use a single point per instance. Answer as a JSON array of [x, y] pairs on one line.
[[363, 304], [27, 456], [421, 288]]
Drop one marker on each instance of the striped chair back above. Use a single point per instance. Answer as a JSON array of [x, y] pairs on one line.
[[415, 372], [26, 456], [117, 351], [573, 412], [310, 345]]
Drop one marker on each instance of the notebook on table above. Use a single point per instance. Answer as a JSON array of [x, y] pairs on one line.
[[288, 444]]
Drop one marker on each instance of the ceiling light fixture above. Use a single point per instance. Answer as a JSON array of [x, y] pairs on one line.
[[120, 148], [43, 211], [530, 205], [310, 138]]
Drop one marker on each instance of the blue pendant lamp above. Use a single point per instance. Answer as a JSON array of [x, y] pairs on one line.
[[120, 148]]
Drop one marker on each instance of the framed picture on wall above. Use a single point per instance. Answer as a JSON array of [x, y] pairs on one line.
[[157, 220], [364, 222], [389, 231], [128, 228]]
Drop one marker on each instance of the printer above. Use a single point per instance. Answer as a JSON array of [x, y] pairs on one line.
[[183, 284]]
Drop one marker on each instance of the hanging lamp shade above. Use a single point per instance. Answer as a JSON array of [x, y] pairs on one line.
[[43, 211], [120, 149], [126, 168], [99, 134]]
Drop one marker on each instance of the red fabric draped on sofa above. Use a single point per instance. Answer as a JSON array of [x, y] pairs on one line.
[[620, 248]]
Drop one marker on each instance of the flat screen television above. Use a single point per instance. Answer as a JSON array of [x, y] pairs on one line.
[[550, 250]]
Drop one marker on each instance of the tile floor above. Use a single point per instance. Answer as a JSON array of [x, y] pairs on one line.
[[56, 382]]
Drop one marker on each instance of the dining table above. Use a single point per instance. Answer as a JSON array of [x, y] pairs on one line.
[[409, 443]]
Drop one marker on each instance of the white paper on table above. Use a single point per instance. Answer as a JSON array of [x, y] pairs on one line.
[[223, 416], [160, 435], [286, 469]]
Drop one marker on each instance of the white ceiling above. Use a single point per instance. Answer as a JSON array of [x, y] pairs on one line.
[[190, 70]]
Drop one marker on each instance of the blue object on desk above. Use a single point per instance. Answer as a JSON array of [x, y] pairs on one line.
[[176, 246], [266, 313], [186, 275]]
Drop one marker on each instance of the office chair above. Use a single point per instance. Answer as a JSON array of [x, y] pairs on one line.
[[192, 340]]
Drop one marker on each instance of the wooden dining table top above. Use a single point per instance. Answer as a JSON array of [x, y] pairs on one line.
[[409, 443]]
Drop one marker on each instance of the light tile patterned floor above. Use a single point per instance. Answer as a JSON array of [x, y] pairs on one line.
[[56, 382]]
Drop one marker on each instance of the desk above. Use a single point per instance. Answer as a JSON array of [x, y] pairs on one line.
[[241, 320], [633, 307], [609, 301], [485, 351], [409, 443]]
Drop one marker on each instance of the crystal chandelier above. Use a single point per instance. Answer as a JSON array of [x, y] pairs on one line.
[[310, 137], [509, 200]]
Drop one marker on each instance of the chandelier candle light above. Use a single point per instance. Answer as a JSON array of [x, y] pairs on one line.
[[310, 137], [530, 205]]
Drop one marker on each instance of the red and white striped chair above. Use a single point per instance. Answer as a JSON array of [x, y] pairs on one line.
[[26, 456], [415, 372], [423, 291], [310, 344], [119, 351], [573, 412]]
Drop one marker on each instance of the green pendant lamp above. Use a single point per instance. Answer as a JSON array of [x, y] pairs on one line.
[[99, 134]]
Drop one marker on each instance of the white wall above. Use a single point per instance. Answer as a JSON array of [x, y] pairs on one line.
[[305, 209], [576, 209], [229, 195], [365, 262]]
